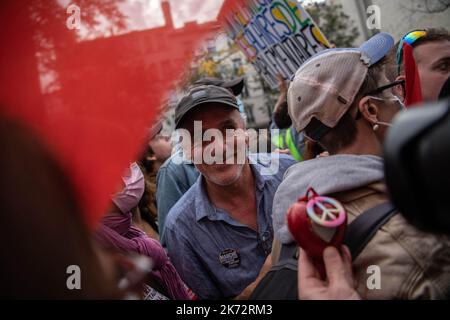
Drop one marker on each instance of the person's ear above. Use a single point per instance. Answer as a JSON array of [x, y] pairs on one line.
[[399, 90], [369, 110]]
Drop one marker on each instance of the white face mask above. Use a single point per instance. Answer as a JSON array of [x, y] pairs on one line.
[[130, 196], [394, 98]]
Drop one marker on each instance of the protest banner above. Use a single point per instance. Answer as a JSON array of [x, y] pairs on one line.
[[276, 36]]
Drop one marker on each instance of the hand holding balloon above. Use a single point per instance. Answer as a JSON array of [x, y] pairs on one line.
[[317, 222]]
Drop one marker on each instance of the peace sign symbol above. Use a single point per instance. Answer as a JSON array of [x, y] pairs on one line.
[[331, 216]]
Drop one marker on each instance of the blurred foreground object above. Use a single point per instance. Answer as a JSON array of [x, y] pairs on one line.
[[43, 233], [417, 165]]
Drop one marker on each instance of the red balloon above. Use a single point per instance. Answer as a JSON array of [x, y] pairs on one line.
[[301, 228]]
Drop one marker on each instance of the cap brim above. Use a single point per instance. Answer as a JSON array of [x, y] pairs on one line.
[[377, 47], [186, 112]]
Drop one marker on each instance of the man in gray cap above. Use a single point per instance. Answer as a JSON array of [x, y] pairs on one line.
[[219, 234], [342, 99], [178, 174]]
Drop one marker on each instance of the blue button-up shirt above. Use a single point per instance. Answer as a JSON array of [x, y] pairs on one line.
[[198, 234], [174, 178]]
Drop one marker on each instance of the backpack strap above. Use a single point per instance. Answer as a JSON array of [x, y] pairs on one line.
[[365, 226], [357, 235], [288, 257], [281, 280]]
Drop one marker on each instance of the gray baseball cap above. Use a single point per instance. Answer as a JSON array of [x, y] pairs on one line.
[[200, 96]]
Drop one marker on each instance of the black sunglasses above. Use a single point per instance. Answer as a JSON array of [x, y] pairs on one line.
[[390, 85]]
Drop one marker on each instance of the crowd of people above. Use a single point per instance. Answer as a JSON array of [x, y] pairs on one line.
[[206, 219]]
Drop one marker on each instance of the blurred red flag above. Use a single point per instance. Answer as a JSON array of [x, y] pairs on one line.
[[412, 78], [90, 96]]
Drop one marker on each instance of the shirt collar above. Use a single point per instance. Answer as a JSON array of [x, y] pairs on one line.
[[205, 208], [256, 165]]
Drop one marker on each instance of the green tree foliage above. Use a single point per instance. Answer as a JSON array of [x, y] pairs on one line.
[[334, 23]]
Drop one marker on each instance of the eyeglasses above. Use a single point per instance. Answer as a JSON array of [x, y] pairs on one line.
[[381, 89], [387, 86], [409, 38]]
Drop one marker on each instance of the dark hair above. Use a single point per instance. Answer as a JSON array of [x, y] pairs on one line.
[[147, 205], [344, 133], [312, 149], [145, 162], [433, 35], [281, 116]]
